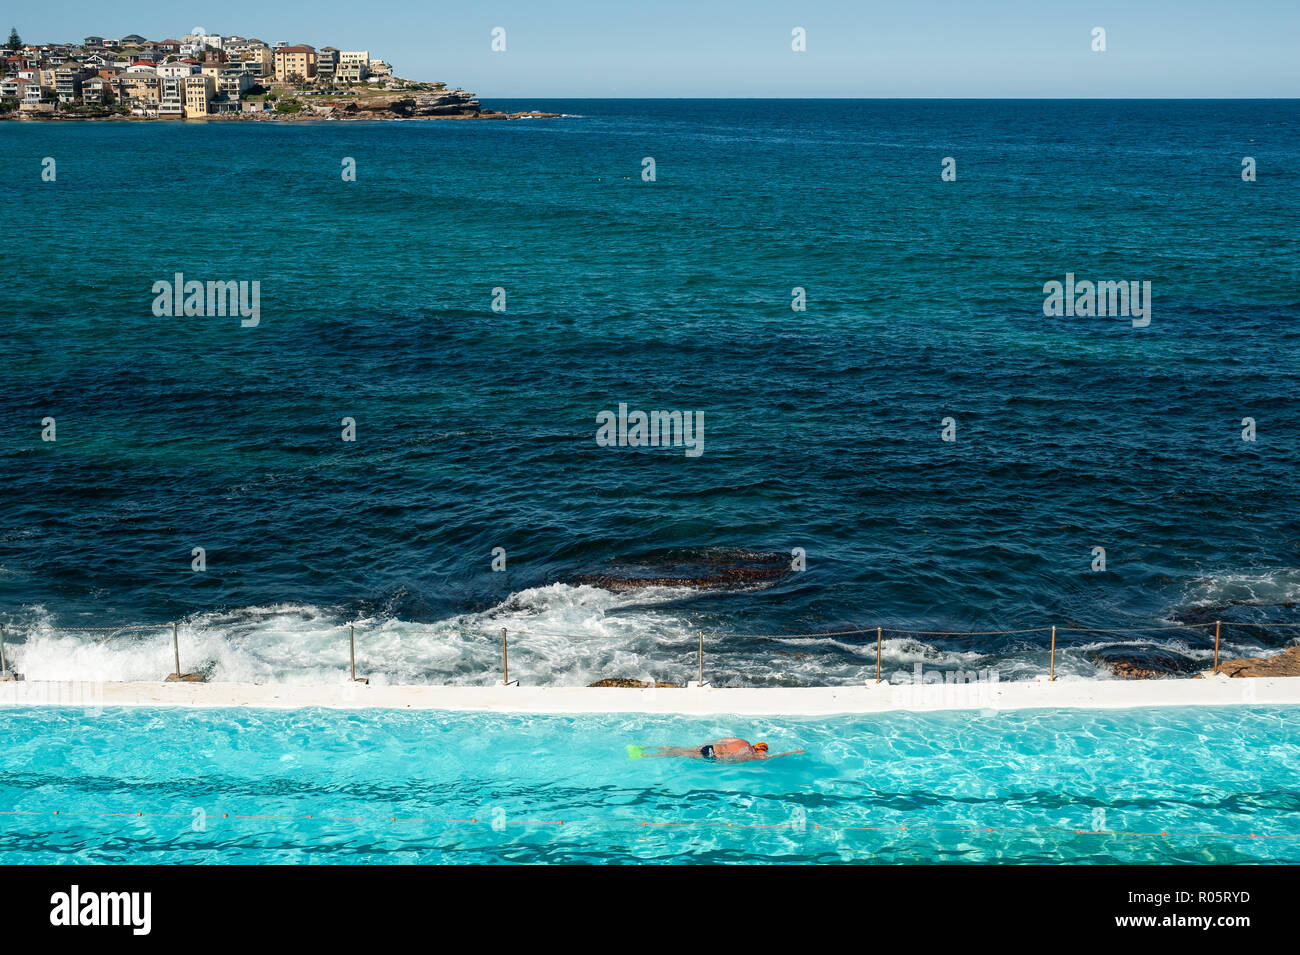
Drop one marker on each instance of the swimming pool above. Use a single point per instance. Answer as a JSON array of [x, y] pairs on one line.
[[316, 785]]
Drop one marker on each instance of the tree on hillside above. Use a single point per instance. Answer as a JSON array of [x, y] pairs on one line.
[[15, 41]]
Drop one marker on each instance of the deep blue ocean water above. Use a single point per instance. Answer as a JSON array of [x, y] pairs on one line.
[[476, 429]]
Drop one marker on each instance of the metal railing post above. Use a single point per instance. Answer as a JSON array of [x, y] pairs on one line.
[[505, 658], [352, 652], [1051, 667], [4, 667], [1216, 646], [701, 658], [176, 646], [878, 632]]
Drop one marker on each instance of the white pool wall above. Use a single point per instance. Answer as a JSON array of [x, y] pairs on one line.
[[699, 701]]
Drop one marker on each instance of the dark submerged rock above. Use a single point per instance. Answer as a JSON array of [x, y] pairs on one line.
[[1145, 662]]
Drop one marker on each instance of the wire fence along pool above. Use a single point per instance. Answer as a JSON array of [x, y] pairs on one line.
[[698, 645]]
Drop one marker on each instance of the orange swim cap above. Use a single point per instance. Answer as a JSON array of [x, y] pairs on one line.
[[761, 747]]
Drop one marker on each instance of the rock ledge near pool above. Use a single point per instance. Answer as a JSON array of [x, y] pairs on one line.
[[1154, 663], [1142, 662], [1286, 663], [635, 684]]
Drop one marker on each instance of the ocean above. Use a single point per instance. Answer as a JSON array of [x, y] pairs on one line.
[[823, 429]]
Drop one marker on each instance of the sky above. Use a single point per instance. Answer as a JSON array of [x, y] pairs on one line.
[[742, 48]]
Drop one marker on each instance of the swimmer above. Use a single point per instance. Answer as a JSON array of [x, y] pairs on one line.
[[727, 750]]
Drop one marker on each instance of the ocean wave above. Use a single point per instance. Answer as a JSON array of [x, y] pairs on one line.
[[573, 634], [558, 634], [1273, 588]]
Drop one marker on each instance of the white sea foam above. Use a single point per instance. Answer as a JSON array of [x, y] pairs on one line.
[[559, 635], [1266, 589]]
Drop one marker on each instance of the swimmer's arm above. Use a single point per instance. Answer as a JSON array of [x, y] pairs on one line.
[[793, 752]]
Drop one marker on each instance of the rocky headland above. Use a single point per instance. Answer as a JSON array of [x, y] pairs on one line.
[[444, 104]]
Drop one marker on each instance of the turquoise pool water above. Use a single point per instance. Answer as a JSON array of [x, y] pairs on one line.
[[249, 786]]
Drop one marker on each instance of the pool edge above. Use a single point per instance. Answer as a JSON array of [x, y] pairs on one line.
[[792, 701]]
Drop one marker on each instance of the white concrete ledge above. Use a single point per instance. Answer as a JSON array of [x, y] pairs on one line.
[[700, 701]]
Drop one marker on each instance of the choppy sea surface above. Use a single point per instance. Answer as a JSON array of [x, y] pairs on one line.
[[475, 428]]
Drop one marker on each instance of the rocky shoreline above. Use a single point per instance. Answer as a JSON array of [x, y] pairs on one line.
[[1150, 663], [1286, 663], [444, 104]]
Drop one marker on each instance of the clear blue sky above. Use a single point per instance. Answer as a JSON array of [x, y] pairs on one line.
[[856, 48]]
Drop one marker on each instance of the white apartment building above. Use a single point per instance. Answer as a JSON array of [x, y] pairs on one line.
[[175, 70], [211, 41], [171, 101], [353, 66]]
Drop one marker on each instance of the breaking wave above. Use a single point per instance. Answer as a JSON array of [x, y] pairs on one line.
[[638, 624], [561, 634]]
